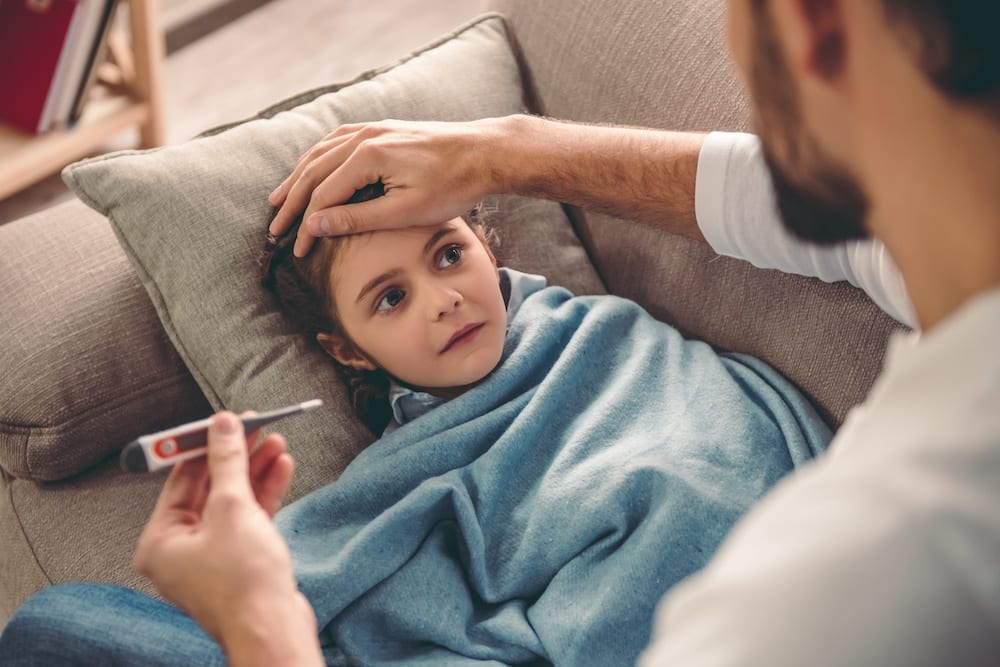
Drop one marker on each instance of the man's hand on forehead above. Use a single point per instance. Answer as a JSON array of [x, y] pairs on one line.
[[428, 172]]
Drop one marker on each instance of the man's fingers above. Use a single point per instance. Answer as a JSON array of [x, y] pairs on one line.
[[296, 191], [272, 484], [303, 244], [317, 224], [271, 448], [293, 196], [271, 472], [227, 455], [279, 195], [323, 182], [305, 160], [349, 128], [291, 203], [389, 211], [184, 487]]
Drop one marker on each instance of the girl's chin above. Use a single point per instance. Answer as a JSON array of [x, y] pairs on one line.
[[458, 384]]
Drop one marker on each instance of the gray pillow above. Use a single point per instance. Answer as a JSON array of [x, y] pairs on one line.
[[192, 219]]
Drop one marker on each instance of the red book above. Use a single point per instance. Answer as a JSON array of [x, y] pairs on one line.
[[32, 33]]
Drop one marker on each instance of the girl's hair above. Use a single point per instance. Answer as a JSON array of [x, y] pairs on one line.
[[302, 288]]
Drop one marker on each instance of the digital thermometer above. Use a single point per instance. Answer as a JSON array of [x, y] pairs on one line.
[[156, 451]]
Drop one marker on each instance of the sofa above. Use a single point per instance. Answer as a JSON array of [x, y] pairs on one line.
[[101, 340]]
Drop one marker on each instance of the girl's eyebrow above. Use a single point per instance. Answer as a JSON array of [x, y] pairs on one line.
[[444, 231], [389, 275]]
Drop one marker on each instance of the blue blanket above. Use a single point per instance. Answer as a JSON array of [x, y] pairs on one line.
[[540, 517]]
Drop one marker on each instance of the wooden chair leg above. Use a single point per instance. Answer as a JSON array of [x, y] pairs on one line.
[[148, 50], [124, 61]]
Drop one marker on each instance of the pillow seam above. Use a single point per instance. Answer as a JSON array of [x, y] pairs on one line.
[[15, 428]]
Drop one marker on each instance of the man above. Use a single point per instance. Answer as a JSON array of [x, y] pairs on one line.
[[877, 118]]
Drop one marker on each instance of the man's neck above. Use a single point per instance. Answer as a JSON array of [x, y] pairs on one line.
[[937, 208]]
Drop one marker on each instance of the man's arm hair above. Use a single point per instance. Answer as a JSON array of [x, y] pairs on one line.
[[636, 173]]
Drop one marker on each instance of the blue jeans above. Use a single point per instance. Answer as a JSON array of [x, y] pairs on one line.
[[101, 625]]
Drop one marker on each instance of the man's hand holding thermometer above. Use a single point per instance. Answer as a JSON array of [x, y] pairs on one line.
[[211, 548]]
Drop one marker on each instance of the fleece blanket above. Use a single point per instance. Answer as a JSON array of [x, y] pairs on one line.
[[539, 517]]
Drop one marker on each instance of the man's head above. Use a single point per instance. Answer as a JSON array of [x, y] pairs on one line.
[[826, 76]]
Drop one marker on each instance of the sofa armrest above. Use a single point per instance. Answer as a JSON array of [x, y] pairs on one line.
[[86, 364]]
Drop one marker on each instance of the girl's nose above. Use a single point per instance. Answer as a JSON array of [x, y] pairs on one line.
[[446, 301]]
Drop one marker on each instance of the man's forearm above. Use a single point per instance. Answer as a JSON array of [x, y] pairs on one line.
[[646, 175], [282, 632]]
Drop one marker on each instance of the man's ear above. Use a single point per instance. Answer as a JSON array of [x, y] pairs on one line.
[[344, 351], [818, 35]]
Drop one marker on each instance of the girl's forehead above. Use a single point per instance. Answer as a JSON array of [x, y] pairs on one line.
[[361, 256], [393, 240]]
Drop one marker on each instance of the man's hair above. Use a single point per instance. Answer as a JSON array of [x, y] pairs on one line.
[[955, 44], [302, 289]]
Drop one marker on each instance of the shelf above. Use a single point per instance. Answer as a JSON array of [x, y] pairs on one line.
[[26, 158]]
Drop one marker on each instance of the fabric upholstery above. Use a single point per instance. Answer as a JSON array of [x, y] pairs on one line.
[[86, 365], [22, 574], [81, 529]]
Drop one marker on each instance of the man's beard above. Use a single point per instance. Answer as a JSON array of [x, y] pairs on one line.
[[823, 203]]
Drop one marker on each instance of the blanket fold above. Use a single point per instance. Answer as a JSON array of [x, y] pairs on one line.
[[539, 517]]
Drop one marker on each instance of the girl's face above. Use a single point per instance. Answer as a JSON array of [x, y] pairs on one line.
[[421, 303]]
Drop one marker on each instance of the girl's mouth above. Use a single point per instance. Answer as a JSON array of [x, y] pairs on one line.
[[463, 335]]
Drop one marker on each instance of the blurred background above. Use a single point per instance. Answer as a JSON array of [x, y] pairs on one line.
[[227, 59]]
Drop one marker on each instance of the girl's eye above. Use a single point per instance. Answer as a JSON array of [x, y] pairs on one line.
[[450, 256], [389, 301]]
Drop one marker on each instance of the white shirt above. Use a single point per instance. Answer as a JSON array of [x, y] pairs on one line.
[[887, 550], [738, 215]]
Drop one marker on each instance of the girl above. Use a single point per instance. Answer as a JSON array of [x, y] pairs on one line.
[[549, 465]]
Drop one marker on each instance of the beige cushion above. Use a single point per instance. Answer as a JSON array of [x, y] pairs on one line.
[[83, 529], [192, 220], [84, 360], [665, 64]]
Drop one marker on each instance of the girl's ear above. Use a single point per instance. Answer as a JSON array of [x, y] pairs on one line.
[[344, 352]]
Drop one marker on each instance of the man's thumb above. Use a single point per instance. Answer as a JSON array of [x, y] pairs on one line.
[[227, 453]]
